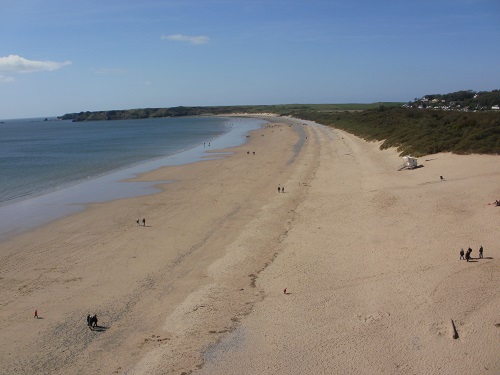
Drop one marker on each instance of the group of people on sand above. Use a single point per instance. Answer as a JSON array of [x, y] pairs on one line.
[[281, 189], [92, 321], [143, 222], [468, 255]]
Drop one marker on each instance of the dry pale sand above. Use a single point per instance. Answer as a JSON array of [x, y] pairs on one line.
[[369, 257]]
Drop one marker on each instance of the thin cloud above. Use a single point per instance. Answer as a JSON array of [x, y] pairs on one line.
[[201, 39], [4, 79], [18, 64]]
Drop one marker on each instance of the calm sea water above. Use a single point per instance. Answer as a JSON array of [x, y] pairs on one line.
[[46, 167], [41, 156]]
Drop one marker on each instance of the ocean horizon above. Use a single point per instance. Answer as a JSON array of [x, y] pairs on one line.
[[54, 168]]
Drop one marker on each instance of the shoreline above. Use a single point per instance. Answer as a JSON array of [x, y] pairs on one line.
[[27, 214], [369, 257], [98, 261]]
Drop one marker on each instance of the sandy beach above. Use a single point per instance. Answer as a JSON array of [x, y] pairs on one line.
[[369, 257]]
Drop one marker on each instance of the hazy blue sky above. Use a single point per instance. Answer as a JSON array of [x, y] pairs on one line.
[[60, 56]]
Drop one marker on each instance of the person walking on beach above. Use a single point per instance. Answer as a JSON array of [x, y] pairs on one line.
[[92, 321], [467, 255], [144, 222], [481, 252], [137, 221], [462, 254], [469, 250], [36, 314], [279, 189], [88, 315]]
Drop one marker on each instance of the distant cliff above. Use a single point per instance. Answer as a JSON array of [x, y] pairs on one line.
[[154, 113], [281, 110]]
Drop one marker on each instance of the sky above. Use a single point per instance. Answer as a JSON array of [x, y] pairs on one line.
[[64, 56]]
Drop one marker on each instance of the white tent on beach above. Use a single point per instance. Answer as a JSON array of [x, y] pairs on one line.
[[409, 163]]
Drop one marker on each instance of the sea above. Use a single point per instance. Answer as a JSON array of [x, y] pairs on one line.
[[50, 168]]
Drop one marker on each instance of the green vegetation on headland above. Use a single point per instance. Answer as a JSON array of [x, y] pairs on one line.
[[463, 122], [281, 110]]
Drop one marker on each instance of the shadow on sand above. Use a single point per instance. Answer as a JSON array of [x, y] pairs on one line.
[[99, 328], [478, 259]]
